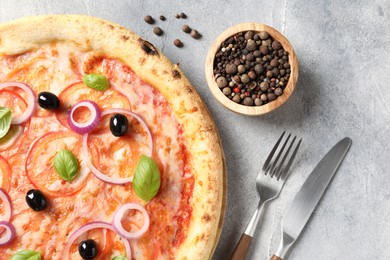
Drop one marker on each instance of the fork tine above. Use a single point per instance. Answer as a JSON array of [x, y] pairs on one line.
[[284, 174], [266, 163], [280, 166], [275, 162]]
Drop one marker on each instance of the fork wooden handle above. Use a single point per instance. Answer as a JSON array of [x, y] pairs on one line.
[[242, 248], [274, 257]]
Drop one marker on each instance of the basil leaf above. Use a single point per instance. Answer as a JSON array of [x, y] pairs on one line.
[[65, 165], [5, 120], [26, 255], [96, 81], [146, 181], [119, 257]]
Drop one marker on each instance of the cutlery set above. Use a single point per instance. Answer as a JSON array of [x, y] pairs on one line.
[[269, 183]]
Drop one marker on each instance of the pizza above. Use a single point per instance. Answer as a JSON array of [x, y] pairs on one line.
[[106, 150]]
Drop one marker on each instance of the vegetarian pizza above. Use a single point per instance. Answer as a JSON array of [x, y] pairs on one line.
[[106, 150]]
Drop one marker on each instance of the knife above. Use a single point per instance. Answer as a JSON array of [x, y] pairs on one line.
[[308, 196]]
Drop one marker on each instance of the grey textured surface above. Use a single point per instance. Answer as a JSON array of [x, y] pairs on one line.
[[343, 90]]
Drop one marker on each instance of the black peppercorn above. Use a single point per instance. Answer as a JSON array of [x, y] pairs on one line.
[[158, 31], [185, 28], [149, 19]]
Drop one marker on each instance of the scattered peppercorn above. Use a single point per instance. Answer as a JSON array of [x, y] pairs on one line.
[[149, 19], [185, 28], [183, 15], [178, 43], [158, 31], [195, 34], [162, 18], [177, 16], [251, 68]]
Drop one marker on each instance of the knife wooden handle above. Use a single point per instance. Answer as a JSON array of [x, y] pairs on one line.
[[274, 257], [242, 248]]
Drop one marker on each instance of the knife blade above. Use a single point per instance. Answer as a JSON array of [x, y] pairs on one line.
[[308, 196]]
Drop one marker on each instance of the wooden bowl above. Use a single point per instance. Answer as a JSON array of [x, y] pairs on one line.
[[251, 110]]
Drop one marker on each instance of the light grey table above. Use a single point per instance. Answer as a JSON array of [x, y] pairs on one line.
[[343, 49]]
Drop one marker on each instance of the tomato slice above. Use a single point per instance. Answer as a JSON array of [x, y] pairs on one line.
[[78, 91], [30, 222], [118, 156], [39, 164], [13, 101], [112, 69], [5, 174]]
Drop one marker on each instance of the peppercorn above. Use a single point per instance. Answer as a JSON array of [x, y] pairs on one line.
[[269, 74], [248, 35], [264, 86], [263, 35], [149, 19], [183, 15], [266, 42], [157, 31], [256, 53], [248, 101], [162, 18], [250, 57], [251, 45], [263, 50], [271, 96], [263, 97], [278, 91], [245, 78], [241, 69], [259, 69], [185, 28], [274, 63], [221, 82], [231, 69], [252, 85], [195, 34], [178, 43], [252, 74], [236, 98], [237, 79], [276, 45], [227, 91], [258, 102]]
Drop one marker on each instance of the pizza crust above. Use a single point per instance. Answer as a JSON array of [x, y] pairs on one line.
[[203, 144]]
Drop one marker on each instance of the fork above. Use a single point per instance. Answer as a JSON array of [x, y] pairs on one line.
[[269, 183]]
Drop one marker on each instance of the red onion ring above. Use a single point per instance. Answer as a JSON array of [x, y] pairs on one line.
[[9, 235], [90, 226], [98, 173], [86, 127], [7, 204], [117, 221], [31, 104]]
